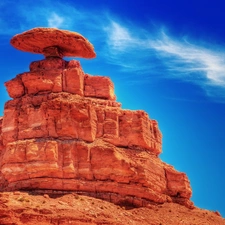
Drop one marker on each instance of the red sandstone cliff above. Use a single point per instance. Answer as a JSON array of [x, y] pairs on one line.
[[63, 131]]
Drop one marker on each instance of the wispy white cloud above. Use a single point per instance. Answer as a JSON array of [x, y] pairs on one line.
[[45, 13], [158, 53], [207, 63], [55, 20], [125, 49], [119, 37]]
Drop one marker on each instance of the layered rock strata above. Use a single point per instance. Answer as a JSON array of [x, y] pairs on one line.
[[64, 131]]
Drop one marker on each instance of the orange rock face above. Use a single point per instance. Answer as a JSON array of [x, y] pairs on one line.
[[64, 131], [54, 42], [1, 144], [25, 208]]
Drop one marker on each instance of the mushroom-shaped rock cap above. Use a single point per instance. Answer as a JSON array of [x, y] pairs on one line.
[[53, 42]]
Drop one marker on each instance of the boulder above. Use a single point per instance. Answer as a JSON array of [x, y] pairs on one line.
[[98, 87], [53, 42]]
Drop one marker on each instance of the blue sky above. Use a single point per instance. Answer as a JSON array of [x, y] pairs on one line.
[[164, 57]]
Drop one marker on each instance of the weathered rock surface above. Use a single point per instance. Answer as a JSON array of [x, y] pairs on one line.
[[54, 42], [57, 75], [71, 209], [1, 144], [64, 131]]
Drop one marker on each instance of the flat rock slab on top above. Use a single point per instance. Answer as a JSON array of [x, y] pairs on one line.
[[53, 42]]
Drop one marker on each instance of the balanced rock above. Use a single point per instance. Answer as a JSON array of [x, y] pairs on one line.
[[64, 131], [54, 42]]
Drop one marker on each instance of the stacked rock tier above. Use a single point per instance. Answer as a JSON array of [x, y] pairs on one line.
[[64, 131]]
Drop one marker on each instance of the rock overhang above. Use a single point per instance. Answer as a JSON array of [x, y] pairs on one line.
[[54, 42]]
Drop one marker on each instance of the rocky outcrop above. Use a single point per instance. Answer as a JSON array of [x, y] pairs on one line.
[[64, 131], [25, 208], [53, 42]]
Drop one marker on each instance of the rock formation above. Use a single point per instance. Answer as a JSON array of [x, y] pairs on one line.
[[64, 131], [22, 208], [54, 43]]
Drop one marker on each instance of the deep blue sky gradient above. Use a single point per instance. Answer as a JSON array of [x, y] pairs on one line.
[[163, 57]]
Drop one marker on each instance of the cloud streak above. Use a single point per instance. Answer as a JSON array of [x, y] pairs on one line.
[[210, 64], [55, 20], [119, 37], [179, 59], [29, 14]]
